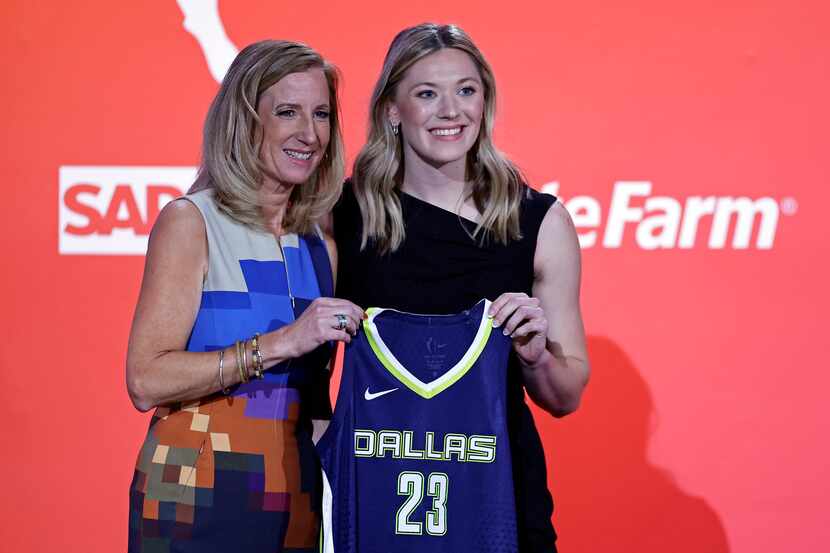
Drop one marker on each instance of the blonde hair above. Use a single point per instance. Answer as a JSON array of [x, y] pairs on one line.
[[496, 184], [233, 133]]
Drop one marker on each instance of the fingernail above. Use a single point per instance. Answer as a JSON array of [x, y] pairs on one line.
[[496, 323], [505, 332]]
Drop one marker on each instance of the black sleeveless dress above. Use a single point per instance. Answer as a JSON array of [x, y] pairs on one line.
[[439, 269]]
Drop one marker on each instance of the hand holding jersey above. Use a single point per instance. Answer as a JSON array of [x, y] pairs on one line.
[[523, 319], [321, 323]]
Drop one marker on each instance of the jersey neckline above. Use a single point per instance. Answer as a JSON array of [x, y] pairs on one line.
[[430, 389]]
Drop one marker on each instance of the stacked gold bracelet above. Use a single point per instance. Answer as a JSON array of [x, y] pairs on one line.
[[257, 363], [256, 354], [241, 365]]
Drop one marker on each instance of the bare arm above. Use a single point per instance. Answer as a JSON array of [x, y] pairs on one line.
[[547, 328], [159, 371]]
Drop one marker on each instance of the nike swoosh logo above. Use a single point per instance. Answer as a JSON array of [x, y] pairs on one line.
[[369, 396]]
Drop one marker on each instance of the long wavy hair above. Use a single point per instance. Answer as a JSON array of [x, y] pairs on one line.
[[496, 184], [233, 133]]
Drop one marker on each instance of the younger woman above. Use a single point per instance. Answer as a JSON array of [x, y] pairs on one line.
[[435, 218]]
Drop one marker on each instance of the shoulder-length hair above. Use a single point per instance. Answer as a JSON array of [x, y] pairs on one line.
[[233, 134], [496, 183]]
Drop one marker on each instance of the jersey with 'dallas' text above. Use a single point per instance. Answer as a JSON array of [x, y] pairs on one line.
[[416, 457]]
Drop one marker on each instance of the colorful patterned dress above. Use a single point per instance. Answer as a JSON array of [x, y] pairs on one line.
[[239, 472]]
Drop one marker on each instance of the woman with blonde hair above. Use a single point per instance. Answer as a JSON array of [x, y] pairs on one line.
[[436, 218], [230, 338]]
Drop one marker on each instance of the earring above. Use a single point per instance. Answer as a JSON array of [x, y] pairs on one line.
[[395, 127]]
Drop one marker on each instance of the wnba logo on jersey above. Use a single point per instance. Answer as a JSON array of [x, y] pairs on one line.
[[663, 222], [110, 210]]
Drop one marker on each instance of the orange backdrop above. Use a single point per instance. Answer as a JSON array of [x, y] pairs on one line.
[[688, 138]]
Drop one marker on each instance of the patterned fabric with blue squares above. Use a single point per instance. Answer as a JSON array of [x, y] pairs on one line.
[[239, 472]]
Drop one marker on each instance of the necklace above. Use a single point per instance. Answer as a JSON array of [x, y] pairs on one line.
[[285, 266]]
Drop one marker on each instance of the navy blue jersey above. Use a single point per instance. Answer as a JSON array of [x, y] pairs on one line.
[[416, 457]]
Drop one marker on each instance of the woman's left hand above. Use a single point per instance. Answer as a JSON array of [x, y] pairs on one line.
[[521, 317]]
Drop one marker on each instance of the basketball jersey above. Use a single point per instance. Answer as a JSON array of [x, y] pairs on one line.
[[416, 457]]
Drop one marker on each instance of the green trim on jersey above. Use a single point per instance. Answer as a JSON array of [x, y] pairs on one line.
[[427, 390]]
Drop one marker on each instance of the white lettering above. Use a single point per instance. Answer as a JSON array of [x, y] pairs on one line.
[[664, 222], [746, 210], [364, 443], [696, 207], [621, 211], [660, 229], [586, 213]]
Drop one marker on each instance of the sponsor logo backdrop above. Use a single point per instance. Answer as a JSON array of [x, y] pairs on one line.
[[688, 139]]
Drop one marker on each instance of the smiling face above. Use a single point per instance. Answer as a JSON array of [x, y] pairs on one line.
[[295, 114], [439, 105]]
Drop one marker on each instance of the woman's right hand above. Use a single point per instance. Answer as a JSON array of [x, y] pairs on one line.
[[319, 324]]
